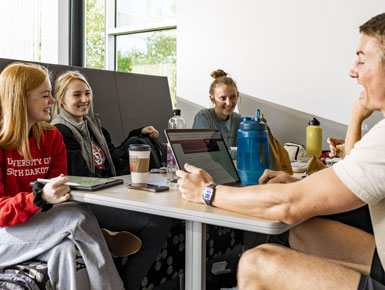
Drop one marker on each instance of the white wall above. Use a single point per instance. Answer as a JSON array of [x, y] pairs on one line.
[[63, 32], [295, 53], [35, 30]]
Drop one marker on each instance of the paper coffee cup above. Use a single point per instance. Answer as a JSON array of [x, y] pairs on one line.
[[139, 162]]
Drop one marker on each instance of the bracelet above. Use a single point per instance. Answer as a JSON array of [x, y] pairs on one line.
[[38, 201]]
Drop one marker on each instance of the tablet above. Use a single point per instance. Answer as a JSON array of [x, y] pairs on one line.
[[88, 183]]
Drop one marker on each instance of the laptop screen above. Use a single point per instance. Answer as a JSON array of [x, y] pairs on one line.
[[203, 148]]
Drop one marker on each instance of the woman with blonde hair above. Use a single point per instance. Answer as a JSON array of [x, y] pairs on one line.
[[224, 95], [91, 153], [68, 234]]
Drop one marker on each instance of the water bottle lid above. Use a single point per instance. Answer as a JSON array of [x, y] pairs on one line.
[[253, 123], [176, 112], [314, 122]]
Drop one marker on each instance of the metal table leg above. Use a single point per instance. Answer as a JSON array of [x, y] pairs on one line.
[[195, 268]]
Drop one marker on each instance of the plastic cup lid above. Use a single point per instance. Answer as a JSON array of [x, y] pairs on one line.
[[139, 147]]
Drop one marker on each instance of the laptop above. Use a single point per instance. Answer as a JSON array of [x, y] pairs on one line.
[[206, 149]]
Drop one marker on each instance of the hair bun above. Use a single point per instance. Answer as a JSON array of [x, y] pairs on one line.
[[218, 74]]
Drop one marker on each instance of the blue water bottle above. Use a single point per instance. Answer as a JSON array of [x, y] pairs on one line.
[[253, 149]]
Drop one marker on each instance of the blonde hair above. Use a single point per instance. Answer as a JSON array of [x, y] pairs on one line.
[[17, 80], [61, 85], [221, 78]]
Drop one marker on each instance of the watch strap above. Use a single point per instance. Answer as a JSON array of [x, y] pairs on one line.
[[208, 194]]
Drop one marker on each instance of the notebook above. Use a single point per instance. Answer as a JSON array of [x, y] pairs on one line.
[[206, 149], [88, 183]]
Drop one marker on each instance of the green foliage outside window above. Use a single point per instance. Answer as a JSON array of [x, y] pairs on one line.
[[160, 49], [159, 58], [95, 30]]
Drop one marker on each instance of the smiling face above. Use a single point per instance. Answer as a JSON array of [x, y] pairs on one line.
[[370, 74], [77, 99], [225, 100], [39, 103]]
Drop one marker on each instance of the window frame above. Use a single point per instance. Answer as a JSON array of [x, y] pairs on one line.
[[112, 32], [77, 52]]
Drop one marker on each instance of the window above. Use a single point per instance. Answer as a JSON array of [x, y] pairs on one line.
[[95, 33], [140, 37], [29, 30], [137, 12], [149, 53]]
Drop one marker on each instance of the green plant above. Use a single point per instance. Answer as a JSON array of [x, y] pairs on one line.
[[95, 34]]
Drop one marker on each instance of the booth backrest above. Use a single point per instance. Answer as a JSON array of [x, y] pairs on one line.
[[123, 101]]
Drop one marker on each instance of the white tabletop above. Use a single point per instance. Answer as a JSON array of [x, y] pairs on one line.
[[170, 204]]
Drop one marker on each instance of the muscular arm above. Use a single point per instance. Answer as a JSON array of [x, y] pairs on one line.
[[289, 203]]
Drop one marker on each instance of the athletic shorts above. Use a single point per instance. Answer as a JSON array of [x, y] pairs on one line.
[[376, 280]]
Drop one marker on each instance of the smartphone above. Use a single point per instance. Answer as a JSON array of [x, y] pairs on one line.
[[158, 170], [149, 187]]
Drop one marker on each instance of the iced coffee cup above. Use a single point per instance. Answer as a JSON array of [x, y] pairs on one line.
[[139, 162]]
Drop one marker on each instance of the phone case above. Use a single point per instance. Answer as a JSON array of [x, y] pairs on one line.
[[152, 188]]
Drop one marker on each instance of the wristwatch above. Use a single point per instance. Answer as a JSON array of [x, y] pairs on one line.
[[208, 194]]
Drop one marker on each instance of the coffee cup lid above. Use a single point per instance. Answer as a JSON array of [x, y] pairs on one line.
[[139, 147]]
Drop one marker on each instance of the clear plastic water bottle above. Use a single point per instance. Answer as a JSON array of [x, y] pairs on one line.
[[175, 122]]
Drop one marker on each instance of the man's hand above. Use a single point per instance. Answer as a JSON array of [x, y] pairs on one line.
[[359, 112], [152, 131], [358, 115], [271, 176], [56, 191], [333, 143], [193, 182]]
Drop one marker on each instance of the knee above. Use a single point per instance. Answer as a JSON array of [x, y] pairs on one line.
[[81, 211], [258, 265], [66, 248], [259, 255], [73, 213], [72, 208]]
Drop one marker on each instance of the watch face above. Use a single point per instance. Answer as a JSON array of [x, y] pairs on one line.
[[208, 193]]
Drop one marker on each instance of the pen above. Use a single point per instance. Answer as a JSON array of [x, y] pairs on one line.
[[43, 180]]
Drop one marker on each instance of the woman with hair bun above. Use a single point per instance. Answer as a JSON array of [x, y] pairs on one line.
[[224, 95]]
